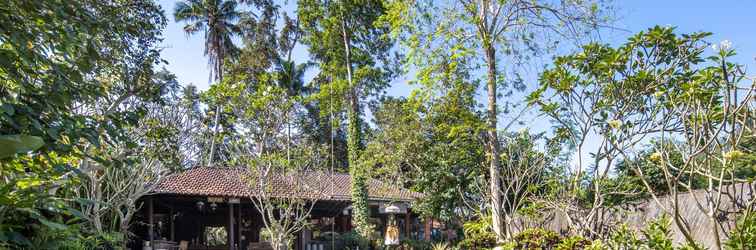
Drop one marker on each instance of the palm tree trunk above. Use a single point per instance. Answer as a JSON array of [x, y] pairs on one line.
[[219, 72], [215, 133]]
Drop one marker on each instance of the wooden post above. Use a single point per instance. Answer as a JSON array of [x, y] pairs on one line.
[[150, 220], [239, 225], [231, 226], [427, 233], [407, 224], [173, 229]]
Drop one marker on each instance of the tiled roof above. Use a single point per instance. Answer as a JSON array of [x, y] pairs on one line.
[[238, 182]]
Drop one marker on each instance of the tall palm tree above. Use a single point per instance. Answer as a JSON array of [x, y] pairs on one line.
[[218, 20], [292, 77]]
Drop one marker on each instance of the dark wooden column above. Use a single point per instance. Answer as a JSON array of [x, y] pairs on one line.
[[150, 220], [231, 226], [428, 227], [173, 229], [407, 224], [239, 225]]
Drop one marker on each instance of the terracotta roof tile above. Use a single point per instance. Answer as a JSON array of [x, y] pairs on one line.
[[236, 182]]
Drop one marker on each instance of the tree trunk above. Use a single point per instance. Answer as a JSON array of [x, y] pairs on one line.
[[124, 226], [95, 194], [215, 133], [493, 147], [278, 242], [361, 213]]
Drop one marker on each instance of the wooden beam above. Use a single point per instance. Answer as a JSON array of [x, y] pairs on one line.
[[231, 226]]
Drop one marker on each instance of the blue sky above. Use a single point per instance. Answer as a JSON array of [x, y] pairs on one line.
[[732, 20]]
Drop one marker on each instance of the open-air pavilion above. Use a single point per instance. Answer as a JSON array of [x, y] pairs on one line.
[[211, 208]]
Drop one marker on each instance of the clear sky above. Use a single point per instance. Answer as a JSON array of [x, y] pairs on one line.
[[733, 20]]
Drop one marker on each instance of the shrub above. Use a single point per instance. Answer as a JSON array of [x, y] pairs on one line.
[[478, 234], [352, 240], [536, 238], [441, 246], [656, 234], [416, 244], [744, 234], [573, 243]]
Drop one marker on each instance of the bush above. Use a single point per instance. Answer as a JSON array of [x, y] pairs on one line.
[[573, 242], [656, 236], [744, 234], [478, 234], [352, 240], [416, 244], [536, 238]]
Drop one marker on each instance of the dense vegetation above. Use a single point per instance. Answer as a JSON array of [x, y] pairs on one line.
[[90, 121]]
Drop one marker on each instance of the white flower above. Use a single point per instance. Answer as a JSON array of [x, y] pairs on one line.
[[615, 124], [715, 48], [522, 131], [656, 156], [725, 44]]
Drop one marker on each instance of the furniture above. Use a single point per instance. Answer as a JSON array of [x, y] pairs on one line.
[[163, 245], [259, 246], [183, 245]]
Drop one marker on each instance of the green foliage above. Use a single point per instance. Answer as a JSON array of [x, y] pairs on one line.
[[624, 238], [574, 243], [659, 83], [441, 246], [66, 69], [353, 240], [352, 53], [647, 162], [18, 144], [656, 235], [478, 234], [54, 54], [217, 19], [413, 244], [744, 234], [445, 130], [536, 238]]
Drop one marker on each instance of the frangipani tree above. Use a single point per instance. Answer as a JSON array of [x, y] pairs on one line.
[[658, 84], [285, 190], [284, 173]]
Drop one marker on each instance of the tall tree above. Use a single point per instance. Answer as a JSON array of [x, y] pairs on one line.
[[491, 34], [218, 20], [353, 54]]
